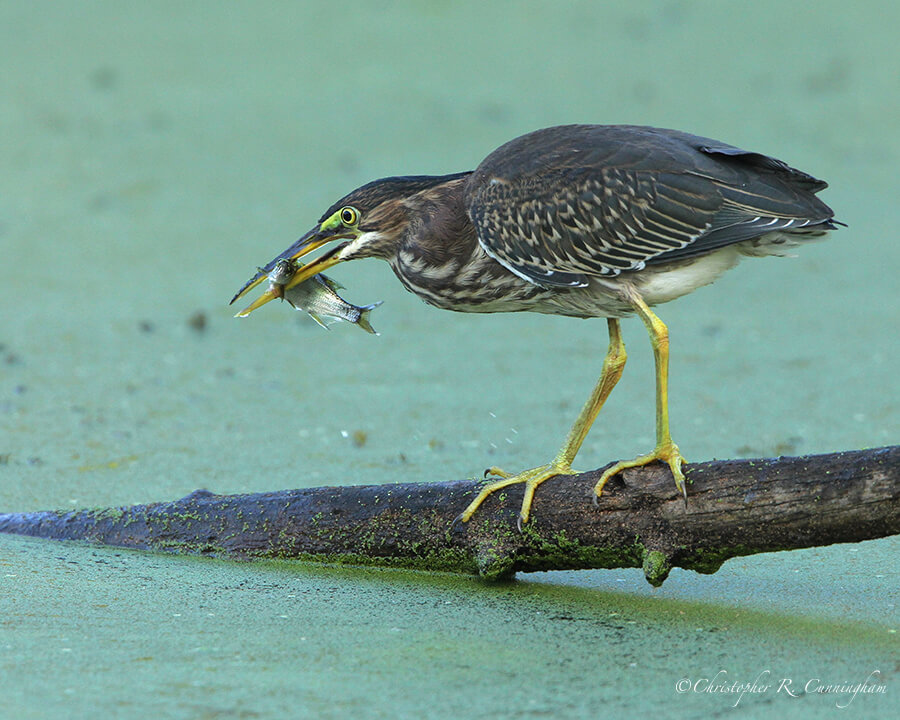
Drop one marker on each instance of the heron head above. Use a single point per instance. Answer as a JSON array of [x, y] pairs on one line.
[[369, 222]]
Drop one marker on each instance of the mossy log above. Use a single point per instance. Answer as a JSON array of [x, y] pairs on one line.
[[734, 507]]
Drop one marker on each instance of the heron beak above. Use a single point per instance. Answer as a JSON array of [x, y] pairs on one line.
[[310, 242]]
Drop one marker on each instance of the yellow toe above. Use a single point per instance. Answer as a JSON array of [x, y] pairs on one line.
[[666, 452], [531, 478]]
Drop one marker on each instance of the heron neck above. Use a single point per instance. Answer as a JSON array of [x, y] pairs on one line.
[[439, 228]]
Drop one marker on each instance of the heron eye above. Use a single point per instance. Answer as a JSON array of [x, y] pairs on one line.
[[349, 216]]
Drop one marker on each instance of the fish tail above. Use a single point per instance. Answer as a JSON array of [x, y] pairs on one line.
[[363, 320]]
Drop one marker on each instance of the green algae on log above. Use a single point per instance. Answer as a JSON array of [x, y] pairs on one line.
[[734, 507]]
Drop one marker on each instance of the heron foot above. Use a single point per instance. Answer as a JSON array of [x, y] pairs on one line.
[[531, 478], [666, 452]]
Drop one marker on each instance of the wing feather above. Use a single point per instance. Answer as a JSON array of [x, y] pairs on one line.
[[561, 205], [585, 223]]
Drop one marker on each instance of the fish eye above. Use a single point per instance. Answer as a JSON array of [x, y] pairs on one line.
[[349, 216]]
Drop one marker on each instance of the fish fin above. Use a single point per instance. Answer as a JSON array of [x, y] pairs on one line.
[[364, 313], [331, 283], [319, 321]]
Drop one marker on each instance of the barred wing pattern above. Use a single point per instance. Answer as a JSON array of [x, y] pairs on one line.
[[580, 224], [598, 204]]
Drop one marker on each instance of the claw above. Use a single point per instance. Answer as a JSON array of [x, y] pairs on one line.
[[667, 453], [531, 479]]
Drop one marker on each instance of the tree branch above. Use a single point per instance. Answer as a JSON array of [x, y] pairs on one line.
[[734, 507]]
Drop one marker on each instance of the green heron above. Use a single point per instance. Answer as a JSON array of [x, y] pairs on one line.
[[579, 220]]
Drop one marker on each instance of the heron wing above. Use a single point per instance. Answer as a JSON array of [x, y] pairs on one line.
[[564, 204]]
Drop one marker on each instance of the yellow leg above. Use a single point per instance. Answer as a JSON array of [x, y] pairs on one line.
[[562, 463], [666, 451]]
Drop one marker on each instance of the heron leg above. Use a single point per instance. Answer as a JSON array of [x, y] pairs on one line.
[[613, 365], [666, 451]]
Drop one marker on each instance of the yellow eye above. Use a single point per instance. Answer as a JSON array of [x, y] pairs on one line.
[[349, 216]]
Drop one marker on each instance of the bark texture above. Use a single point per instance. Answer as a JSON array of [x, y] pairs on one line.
[[734, 507]]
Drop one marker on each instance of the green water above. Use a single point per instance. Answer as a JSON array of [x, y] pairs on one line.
[[153, 154]]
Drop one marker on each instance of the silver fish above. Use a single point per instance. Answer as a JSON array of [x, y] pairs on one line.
[[318, 297], [280, 275]]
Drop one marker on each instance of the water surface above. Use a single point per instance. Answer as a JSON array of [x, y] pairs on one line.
[[154, 154]]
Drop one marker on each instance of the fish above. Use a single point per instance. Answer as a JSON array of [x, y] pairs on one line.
[[318, 297], [280, 275]]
